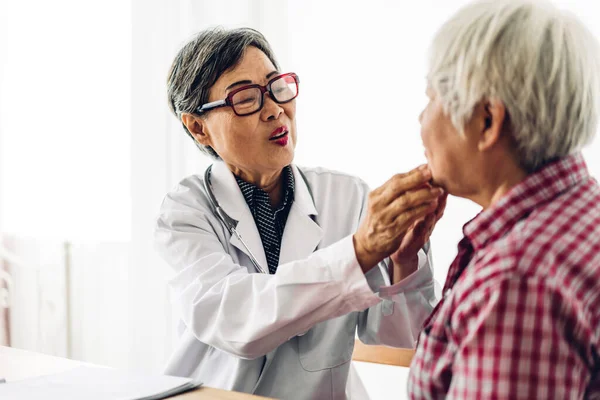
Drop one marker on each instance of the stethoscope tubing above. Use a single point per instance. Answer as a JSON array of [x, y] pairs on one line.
[[229, 222]]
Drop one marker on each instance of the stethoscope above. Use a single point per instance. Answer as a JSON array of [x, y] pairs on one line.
[[231, 223]]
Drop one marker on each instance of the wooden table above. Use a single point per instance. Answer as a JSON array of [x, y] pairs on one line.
[[382, 354], [19, 364]]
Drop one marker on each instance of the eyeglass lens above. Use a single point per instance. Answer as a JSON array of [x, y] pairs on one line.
[[250, 100]]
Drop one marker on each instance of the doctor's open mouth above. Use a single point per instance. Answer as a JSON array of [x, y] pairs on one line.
[[280, 135]]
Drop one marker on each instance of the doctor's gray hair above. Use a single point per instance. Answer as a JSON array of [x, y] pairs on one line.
[[200, 63], [541, 62]]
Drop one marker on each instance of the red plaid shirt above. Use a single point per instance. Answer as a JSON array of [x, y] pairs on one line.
[[520, 316]]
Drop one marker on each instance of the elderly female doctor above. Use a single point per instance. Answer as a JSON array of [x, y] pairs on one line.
[[277, 267]]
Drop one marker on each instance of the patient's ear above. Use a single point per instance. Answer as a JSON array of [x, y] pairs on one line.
[[197, 127], [492, 115]]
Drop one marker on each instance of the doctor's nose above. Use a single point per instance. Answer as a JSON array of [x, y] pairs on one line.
[[271, 110]]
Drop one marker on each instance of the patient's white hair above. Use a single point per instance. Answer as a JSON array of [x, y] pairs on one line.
[[541, 62]]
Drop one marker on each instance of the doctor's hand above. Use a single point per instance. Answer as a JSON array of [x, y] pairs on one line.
[[392, 210], [405, 260]]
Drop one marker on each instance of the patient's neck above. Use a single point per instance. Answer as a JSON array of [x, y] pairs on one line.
[[498, 180]]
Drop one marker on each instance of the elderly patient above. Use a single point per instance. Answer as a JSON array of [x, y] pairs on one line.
[[513, 91]]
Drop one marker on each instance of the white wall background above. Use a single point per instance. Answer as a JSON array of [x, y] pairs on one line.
[[88, 148], [65, 173]]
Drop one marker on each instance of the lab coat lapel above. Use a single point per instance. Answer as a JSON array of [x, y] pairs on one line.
[[302, 234], [231, 200]]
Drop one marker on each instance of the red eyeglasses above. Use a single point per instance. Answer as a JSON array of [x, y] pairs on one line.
[[249, 99]]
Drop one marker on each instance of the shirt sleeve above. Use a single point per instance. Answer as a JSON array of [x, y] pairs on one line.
[[512, 341]]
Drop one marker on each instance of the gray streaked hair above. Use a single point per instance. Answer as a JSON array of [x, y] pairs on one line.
[[541, 62], [200, 63]]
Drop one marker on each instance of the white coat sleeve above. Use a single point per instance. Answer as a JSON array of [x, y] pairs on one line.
[[397, 320], [251, 314]]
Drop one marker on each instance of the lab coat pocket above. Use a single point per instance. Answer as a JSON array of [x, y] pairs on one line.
[[328, 344]]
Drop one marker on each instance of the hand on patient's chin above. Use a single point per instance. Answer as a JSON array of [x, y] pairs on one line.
[[391, 210]]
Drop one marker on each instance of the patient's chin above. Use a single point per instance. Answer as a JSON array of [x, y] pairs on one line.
[[440, 182]]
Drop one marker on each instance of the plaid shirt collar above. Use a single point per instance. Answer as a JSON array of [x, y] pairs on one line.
[[251, 192], [539, 187]]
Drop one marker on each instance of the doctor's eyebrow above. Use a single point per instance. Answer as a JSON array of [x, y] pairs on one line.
[[248, 82], [244, 82], [272, 73]]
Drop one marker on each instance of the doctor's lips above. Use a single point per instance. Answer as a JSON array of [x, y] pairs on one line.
[[280, 135]]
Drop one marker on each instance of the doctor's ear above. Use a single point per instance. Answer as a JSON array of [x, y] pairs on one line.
[[197, 128], [493, 114]]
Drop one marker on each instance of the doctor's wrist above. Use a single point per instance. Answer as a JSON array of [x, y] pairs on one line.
[[367, 260], [400, 268]]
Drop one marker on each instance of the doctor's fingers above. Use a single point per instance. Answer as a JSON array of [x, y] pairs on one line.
[[406, 219], [439, 212], [410, 200], [401, 183]]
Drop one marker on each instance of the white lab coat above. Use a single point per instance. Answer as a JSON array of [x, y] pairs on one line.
[[288, 335]]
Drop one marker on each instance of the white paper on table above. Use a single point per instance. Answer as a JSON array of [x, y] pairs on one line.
[[96, 383]]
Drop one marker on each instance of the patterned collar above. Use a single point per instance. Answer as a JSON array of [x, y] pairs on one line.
[[538, 188], [254, 194]]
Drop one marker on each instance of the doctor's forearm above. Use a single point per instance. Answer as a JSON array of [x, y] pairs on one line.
[[275, 308]]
